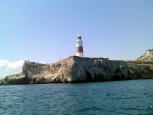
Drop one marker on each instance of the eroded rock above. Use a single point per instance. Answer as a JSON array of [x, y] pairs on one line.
[[77, 69]]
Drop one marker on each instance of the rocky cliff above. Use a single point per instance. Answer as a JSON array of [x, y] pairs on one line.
[[76, 69]]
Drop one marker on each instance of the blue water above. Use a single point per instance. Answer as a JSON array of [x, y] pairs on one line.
[[116, 97]]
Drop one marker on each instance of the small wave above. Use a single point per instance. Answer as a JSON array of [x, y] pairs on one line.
[[132, 108], [126, 97], [109, 94], [90, 108]]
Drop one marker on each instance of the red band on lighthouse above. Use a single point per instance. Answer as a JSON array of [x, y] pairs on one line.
[[79, 49]]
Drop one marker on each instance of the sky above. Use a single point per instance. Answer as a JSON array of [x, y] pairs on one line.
[[46, 30]]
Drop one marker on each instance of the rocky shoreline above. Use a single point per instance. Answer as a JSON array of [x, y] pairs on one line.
[[76, 69]]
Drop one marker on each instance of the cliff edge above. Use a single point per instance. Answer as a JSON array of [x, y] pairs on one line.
[[76, 69]]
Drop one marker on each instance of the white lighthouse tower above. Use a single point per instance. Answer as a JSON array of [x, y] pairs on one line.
[[79, 46]]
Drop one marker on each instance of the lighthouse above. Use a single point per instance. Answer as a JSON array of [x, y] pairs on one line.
[[79, 46]]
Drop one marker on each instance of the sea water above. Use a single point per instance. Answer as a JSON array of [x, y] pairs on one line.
[[115, 97]]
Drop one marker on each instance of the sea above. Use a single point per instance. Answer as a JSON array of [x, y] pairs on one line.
[[131, 97]]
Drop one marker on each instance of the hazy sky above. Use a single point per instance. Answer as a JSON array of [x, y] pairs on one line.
[[46, 30]]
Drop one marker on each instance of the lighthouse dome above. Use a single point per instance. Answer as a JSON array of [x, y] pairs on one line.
[[79, 36]]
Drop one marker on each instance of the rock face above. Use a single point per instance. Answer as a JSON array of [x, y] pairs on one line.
[[148, 56], [77, 69]]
